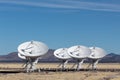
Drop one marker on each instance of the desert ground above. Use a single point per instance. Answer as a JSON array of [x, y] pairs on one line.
[[79, 75]]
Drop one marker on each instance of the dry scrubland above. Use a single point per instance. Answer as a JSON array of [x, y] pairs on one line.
[[60, 75]]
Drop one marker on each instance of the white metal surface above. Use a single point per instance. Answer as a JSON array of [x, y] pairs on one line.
[[79, 52], [97, 53], [21, 56], [32, 48], [61, 53]]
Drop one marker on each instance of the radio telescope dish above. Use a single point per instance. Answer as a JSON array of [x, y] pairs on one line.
[[80, 53], [96, 55], [62, 54], [31, 51]]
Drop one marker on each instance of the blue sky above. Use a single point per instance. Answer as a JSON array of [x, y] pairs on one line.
[[60, 23]]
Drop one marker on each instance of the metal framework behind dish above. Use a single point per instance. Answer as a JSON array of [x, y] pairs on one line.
[[31, 52], [30, 63]]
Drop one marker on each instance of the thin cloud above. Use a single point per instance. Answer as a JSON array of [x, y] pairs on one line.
[[77, 5]]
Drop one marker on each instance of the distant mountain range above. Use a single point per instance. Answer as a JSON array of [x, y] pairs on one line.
[[49, 57]]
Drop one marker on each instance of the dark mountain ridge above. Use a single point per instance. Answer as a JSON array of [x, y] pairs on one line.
[[49, 57]]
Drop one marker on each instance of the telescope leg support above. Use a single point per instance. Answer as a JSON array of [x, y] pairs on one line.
[[79, 64], [31, 65], [64, 64], [94, 64]]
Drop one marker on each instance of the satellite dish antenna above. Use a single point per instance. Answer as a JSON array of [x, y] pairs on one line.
[[62, 54], [96, 55], [31, 51], [79, 53]]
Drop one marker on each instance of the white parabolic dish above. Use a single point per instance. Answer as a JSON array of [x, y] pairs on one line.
[[79, 51], [32, 48], [61, 53], [97, 53]]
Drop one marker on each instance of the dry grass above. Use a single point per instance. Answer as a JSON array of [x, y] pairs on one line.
[[55, 65], [60, 75], [69, 65]]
